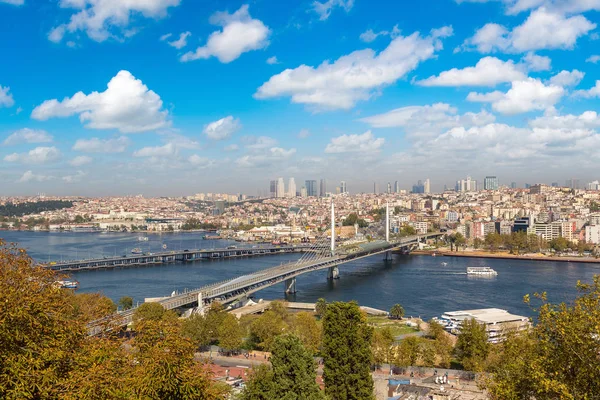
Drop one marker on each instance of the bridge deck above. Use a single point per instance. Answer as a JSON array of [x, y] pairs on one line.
[[232, 289]]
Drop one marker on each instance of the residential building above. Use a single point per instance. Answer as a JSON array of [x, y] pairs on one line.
[[592, 234], [291, 188]]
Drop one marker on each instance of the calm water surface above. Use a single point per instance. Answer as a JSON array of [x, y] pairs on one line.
[[420, 283]]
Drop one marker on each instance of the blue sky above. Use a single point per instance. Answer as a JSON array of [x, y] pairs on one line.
[[173, 97]]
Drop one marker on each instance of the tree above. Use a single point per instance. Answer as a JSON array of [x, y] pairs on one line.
[[294, 370], [265, 328], [347, 353], [459, 240], [558, 357], [259, 385], [382, 345], [409, 351], [472, 347], [478, 243], [305, 327], [320, 307], [149, 312], [125, 303], [493, 241], [559, 244], [441, 343], [230, 333], [91, 306], [397, 311]]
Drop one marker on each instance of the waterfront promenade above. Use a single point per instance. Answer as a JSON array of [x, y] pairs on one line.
[[504, 255]]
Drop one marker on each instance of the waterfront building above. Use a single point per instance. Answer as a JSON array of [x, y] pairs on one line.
[[291, 188], [311, 188], [490, 183], [323, 188], [521, 224], [280, 188], [498, 323]]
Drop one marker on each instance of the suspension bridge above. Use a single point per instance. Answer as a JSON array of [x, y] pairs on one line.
[[322, 255]]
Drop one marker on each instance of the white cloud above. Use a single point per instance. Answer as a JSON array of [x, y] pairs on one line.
[[365, 143], [562, 6], [80, 160], [222, 129], [200, 162], [323, 9], [303, 134], [350, 78], [259, 143], [593, 59], [369, 35], [587, 120], [6, 98], [590, 93], [13, 2], [39, 155], [567, 78], [179, 43], [165, 36], [27, 135], [166, 150], [489, 71], [537, 63], [526, 95], [127, 105], [241, 33], [272, 60], [543, 29], [232, 147], [95, 145], [79, 175], [103, 19], [428, 120], [29, 176], [266, 158]]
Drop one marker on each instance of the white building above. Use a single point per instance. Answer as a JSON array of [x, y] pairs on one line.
[[427, 186], [291, 188], [280, 188], [592, 234]]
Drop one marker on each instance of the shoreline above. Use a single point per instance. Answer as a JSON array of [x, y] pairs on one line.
[[505, 256]]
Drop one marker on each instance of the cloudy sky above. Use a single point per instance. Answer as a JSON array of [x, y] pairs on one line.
[[172, 97]]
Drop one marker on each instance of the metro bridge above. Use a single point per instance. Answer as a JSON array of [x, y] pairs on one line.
[[165, 257], [320, 257]]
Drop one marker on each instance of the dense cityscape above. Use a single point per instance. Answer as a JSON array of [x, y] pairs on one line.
[[299, 200]]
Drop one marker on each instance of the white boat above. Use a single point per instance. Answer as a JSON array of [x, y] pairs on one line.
[[484, 271], [143, 238], [444, 264], [67, 284]]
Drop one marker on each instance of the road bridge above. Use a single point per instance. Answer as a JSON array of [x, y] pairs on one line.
[[172, 256], [320, 257]]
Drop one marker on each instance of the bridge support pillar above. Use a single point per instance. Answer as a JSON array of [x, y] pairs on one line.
[[290, 285], [388, 256], [333, 272]]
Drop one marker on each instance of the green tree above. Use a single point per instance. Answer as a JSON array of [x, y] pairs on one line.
[[149, 312], [560, 244], [441, 343], [259, 385], [194, 328], [266, 328], [493, 241], [294, 370], [347, 353], [472, 346], [229, 333], [397, 311], [478, 243], [459, 240], [320, 307], [125, 303]]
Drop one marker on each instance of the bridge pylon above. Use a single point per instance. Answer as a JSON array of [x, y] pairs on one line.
[[290, 286], [387, 222], [333, 272]]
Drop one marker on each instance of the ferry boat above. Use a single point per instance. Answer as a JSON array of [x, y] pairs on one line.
[[137, 250], [143, 238], [481, 271], [68, 284]]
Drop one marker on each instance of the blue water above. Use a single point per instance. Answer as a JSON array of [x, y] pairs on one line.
[[421, 284]]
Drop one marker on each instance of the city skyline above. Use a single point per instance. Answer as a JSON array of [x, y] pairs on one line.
[[173, 97]]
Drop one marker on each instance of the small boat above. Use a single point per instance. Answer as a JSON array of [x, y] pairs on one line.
[[143, 238], [481, 271], [136, 250], [68, 284], [444, 264]]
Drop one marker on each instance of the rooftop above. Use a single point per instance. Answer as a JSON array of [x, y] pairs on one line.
[[486, 315]]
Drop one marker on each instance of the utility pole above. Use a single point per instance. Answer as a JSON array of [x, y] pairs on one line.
[[332, 228], [387, 222]]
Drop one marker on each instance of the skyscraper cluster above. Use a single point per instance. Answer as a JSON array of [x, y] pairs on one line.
[[277, 188], [422, 187], [466, 185]]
